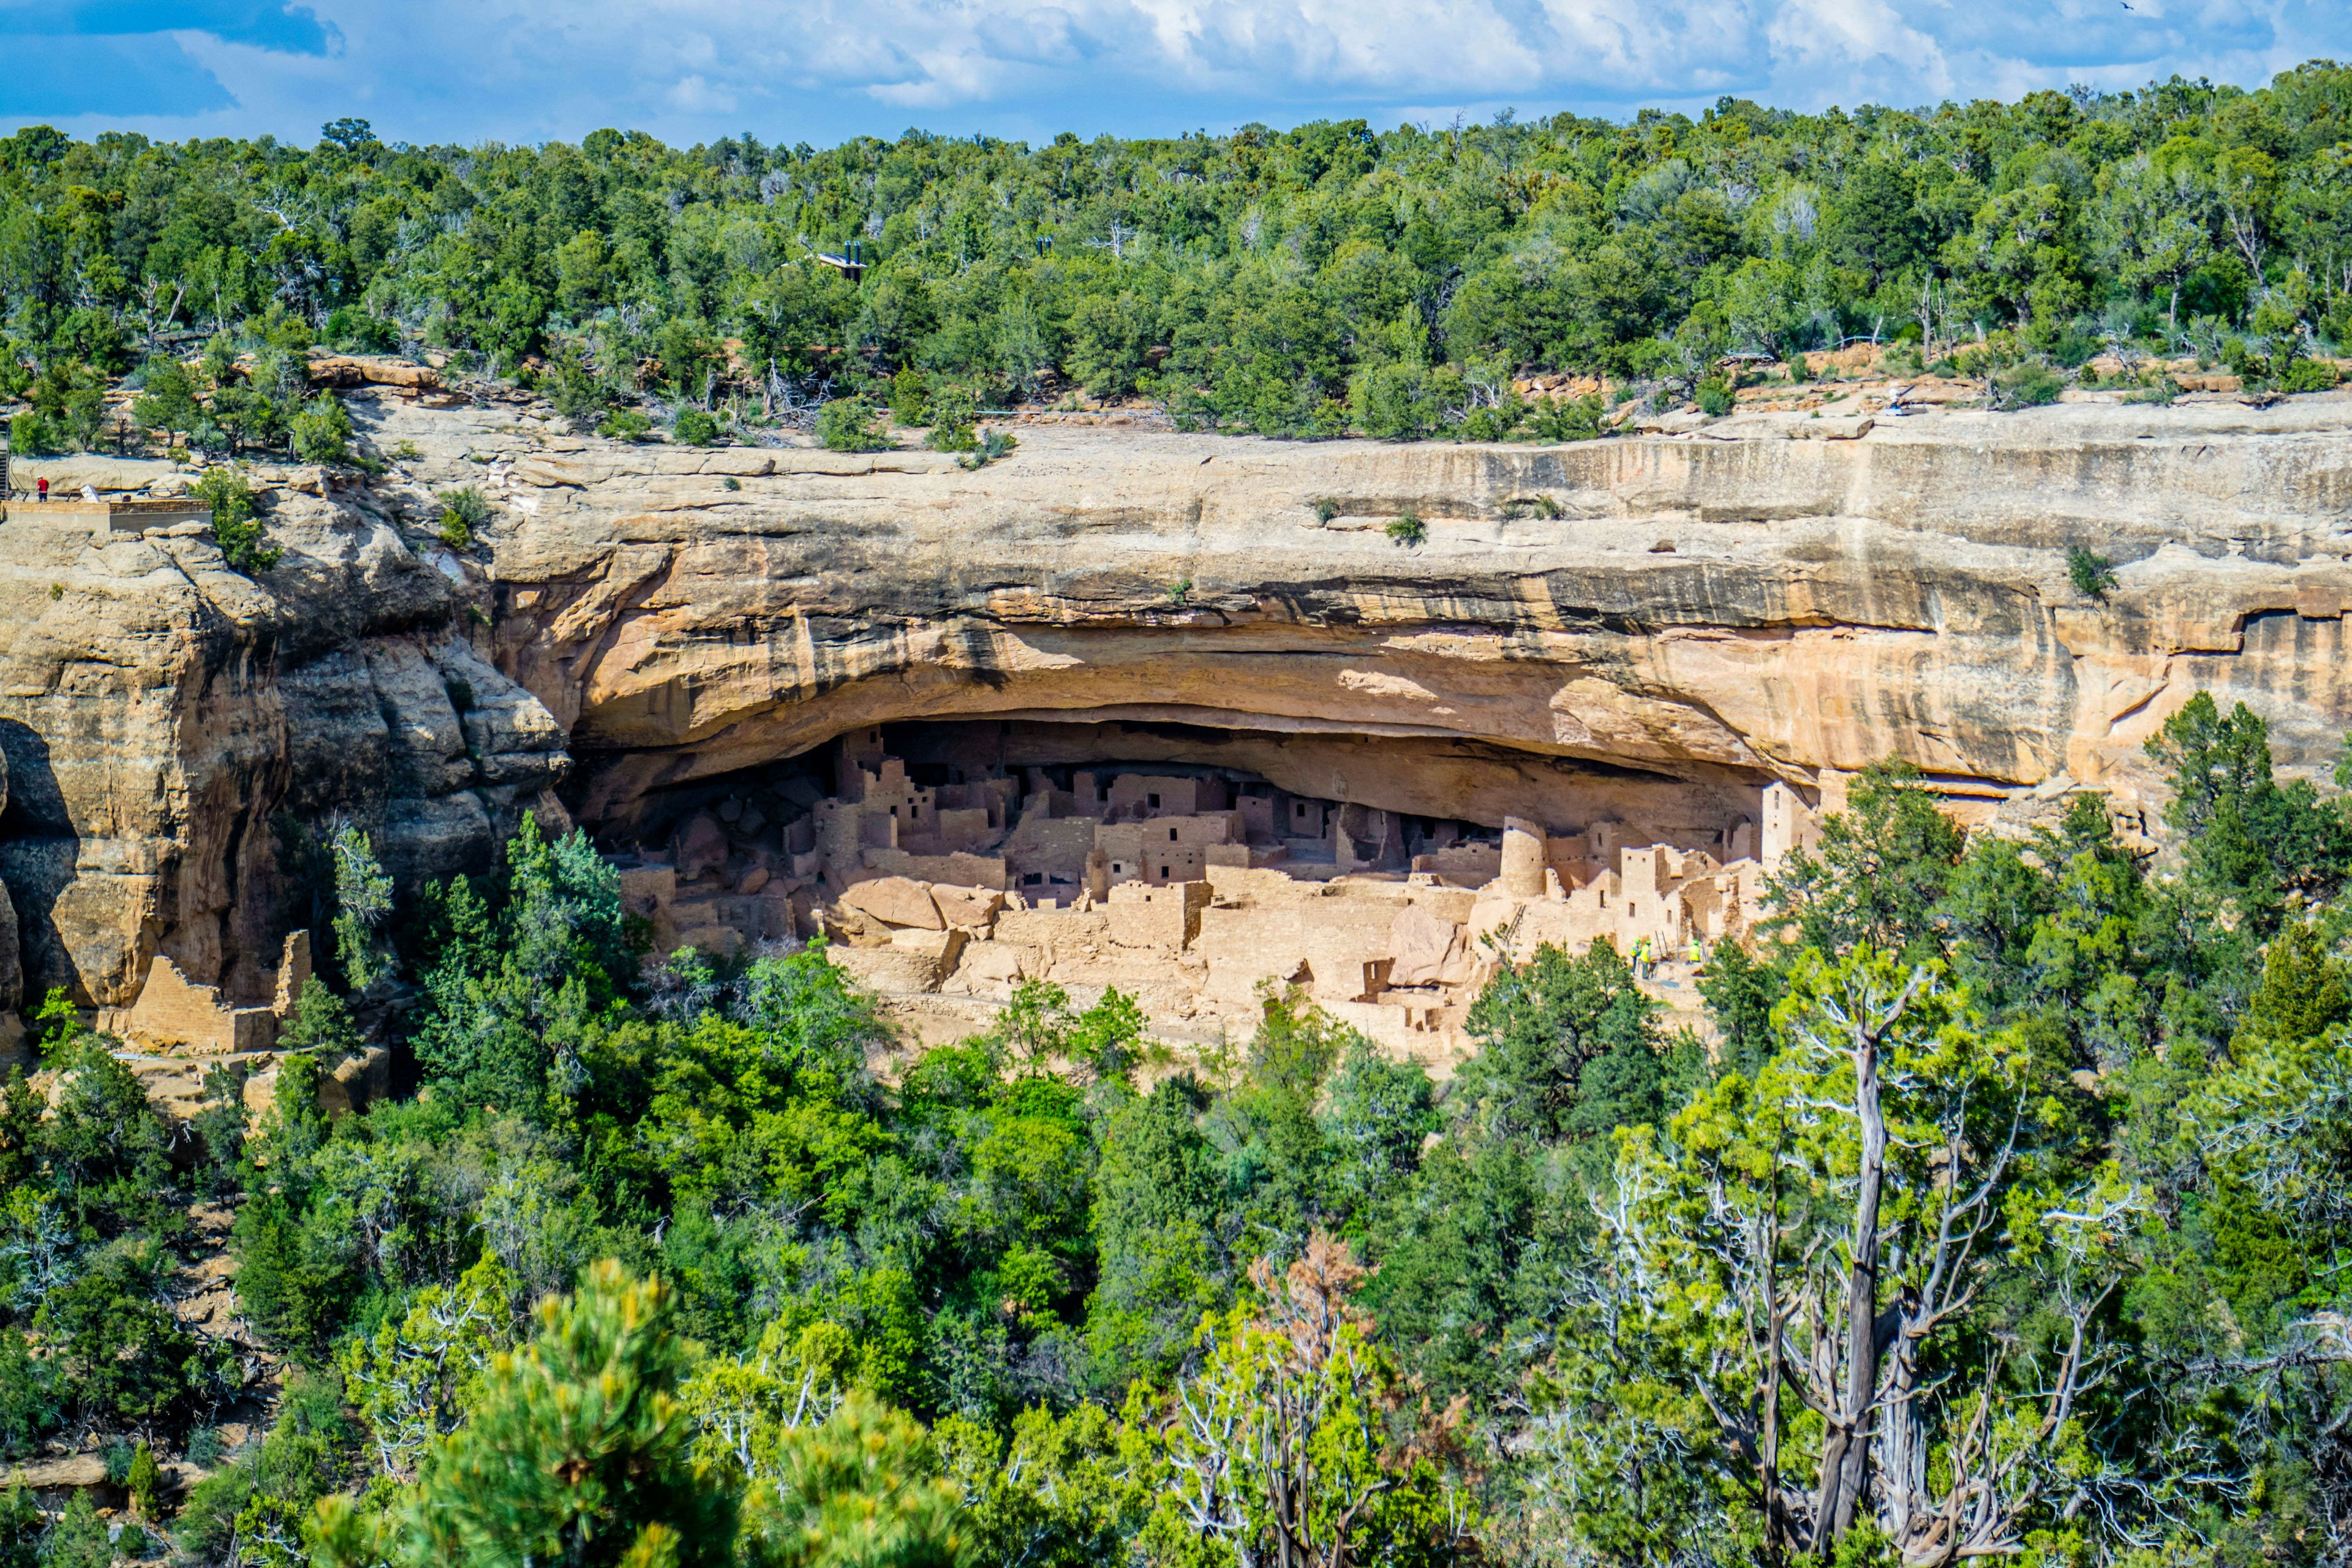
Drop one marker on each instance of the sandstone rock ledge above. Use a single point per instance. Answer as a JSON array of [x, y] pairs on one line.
[[1668, 616]]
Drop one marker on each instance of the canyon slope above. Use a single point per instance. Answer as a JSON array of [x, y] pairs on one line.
[[1641, 626]]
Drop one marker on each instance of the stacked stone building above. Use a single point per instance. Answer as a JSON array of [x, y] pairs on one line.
[[1193, 891]]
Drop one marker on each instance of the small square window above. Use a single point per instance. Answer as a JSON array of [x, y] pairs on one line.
[[1163, 871], [1153, 801], [1171, 836]]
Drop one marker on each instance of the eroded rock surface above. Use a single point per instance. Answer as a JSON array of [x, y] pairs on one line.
[[1642, 615], [165, 719]]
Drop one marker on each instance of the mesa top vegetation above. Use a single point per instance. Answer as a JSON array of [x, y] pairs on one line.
[[1294, 282]]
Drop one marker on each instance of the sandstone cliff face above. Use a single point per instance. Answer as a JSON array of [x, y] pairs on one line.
[[1662, 615], [162, 715], [1766, 607]]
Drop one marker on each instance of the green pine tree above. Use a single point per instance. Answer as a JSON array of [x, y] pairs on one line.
[[578, 1455]]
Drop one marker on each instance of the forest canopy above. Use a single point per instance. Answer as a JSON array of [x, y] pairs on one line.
[[1327, 277], [2003, 1216]]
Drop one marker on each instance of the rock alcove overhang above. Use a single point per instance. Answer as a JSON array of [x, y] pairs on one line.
[[1477, 781]]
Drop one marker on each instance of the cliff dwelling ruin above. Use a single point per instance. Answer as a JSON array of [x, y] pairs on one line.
[[947, 862], [1383, 768]]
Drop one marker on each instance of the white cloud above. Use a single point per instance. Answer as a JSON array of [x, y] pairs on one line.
[[819, 69]]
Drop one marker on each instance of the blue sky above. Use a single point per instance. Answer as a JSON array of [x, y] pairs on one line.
[[819, 71]]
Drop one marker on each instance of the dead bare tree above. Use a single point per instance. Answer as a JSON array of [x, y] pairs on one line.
[[1849, 1220]]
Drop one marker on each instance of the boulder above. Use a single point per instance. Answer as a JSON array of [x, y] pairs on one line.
[[353, 370], [1419, 943], [896, 901], [974, 908]]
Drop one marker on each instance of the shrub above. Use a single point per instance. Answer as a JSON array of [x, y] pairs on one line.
[[1495, 423], [2308, 375], [1715, 398], [33, 434], [625, 424], [988, 448], [144, 1482], [28, 1397], [219, 1127], [2027, 385], [911, 398], [573, 386], [2092, 574], [355, 331], [235, 529], [578, 1452], [57, 1023], [124, 1357], [1396, 402], [1572, 419], [78, 1538], [21, 1522], [322, 1023], [321, 430], [463, 510], [846, 425], [219, 364], [266, 1487], [695, 427], [1407, 531], [167, 397], [952, 412]]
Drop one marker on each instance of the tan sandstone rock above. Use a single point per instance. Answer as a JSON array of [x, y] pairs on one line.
[[974, 908], [896, 901], [1826, 604]]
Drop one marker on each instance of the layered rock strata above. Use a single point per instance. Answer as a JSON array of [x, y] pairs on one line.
[[1644, 618]]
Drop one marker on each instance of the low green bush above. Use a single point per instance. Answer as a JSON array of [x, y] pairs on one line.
[[234, 528], [321, 431], [847, 425], [2092, 574], [2027, 385], [2309, 375], [464, 512], [625, 424]]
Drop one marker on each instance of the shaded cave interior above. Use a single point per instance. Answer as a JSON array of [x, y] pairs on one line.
[[951, 860]]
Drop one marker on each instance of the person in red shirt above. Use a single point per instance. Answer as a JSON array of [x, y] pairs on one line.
[[42, 487]]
